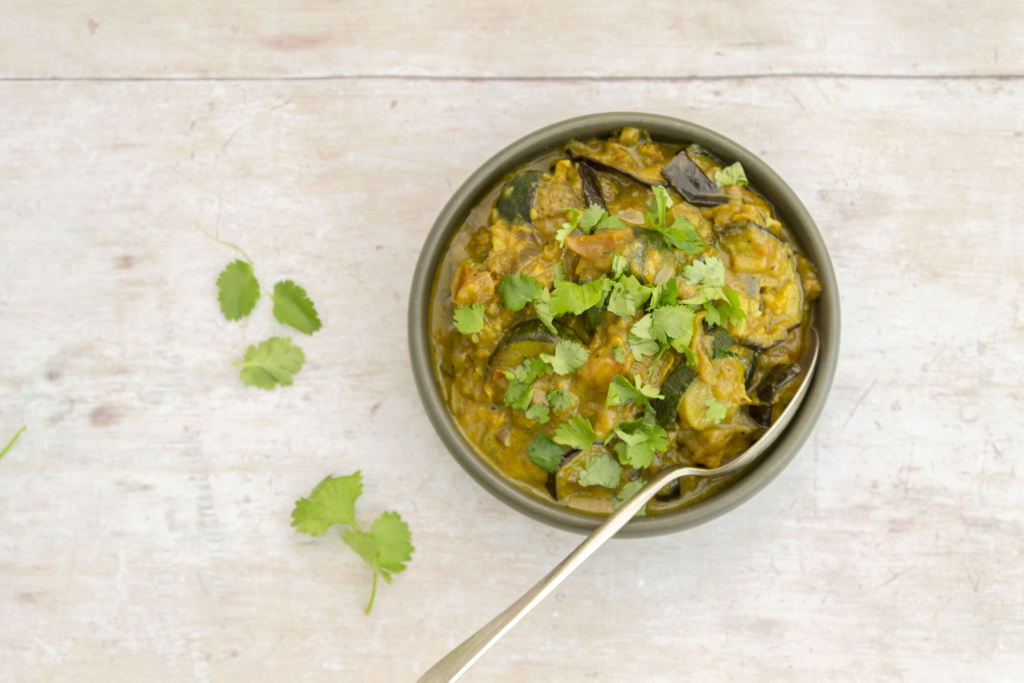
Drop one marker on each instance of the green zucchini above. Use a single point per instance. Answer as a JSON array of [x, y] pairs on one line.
[[517, 197], [673, 388], [528, 339]]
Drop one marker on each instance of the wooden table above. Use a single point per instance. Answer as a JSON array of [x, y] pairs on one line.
[[144, 515]]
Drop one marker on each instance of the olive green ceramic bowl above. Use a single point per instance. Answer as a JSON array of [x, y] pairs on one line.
[[762, 178]]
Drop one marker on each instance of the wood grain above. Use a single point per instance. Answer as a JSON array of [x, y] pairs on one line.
[[144, 514], [530, 38]]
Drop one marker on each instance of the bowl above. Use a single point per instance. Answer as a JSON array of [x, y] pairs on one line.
[[762, 178]]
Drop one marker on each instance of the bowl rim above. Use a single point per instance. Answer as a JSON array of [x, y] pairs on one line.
[[765, 180]]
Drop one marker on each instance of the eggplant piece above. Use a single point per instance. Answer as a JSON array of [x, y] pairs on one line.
[[685, 176], [671, 491], [592, 193], [777, 305], [761, 415], [534, 333], [621, 155], [752, 357], [566, 476], [517, 197], [553, 476], [673, 388], [775, 381], [649, 256]]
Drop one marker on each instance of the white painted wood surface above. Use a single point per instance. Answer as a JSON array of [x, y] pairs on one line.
[[144, 515]]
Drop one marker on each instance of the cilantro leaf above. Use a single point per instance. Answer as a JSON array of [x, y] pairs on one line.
[[271, 363], [569, 356], [671, 322], [568, 227], [11, 442], [519, 393], [539, 413], [469, 319], [640, 440], [708, 276], [293, 307], [333, 501], [628, 490], [569, 297], [560, 400], [576, 433], [239, 290], [518, 290], [619, 264], [394, 544], [545, 453], [596, 218], [731, 175], [683, 235], [640, 341], [730, 311], [628, 296], [619, 354], [716, 411], [601, 471], [542, 307], [621, 391], [655, 214], [385, 548]]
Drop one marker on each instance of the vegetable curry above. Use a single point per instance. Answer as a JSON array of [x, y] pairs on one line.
[[618, 306]]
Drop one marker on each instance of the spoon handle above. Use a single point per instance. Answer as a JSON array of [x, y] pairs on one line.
[[456, 662]]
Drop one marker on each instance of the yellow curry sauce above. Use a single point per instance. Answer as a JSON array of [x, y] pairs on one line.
[[662, 309]]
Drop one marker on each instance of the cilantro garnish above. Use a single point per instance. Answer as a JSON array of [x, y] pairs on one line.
[[708, 276], [672, 323], [518, 290], [601, 471], [731, 175], [640, 341], [239, 290], [619, 354], [619, 264], [568, 357], [681, 234], [545, 453], [271, 363], [539, 413], [576, 433], [716, 411], [385, 548], [11, 442], [569, 297], [627, 296], [568, 227], [469, 319], [293, 307], [628, 490], [596, 218], [560, 400], [641, 438], [519, 393], [621, 391]]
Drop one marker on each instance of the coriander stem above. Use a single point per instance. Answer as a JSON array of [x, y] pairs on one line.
[[226, 244], [373, 593], [11, 443]]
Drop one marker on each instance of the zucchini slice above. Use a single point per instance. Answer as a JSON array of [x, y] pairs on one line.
[[673, 388], [517, 197], [527, 339]]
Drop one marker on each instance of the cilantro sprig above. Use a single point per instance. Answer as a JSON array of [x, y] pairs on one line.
[[594, 217], [576, 433], [621, 391], [731, 175], [601, 471], [11, 442], [716, 411], [385, 548], [469, 319], [640, 439], [568, 357], [708, 276], [545, 453], [682, 234]]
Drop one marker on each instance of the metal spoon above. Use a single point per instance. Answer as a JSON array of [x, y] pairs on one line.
[[458, 661]]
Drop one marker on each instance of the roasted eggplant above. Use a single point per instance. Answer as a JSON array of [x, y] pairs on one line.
[[673, 388], [592, 193], [517, 197], [690, 182]]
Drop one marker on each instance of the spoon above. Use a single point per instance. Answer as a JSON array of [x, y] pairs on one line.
[[458, 661]]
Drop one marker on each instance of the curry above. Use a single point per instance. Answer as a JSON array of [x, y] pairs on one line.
[[618, 306]]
